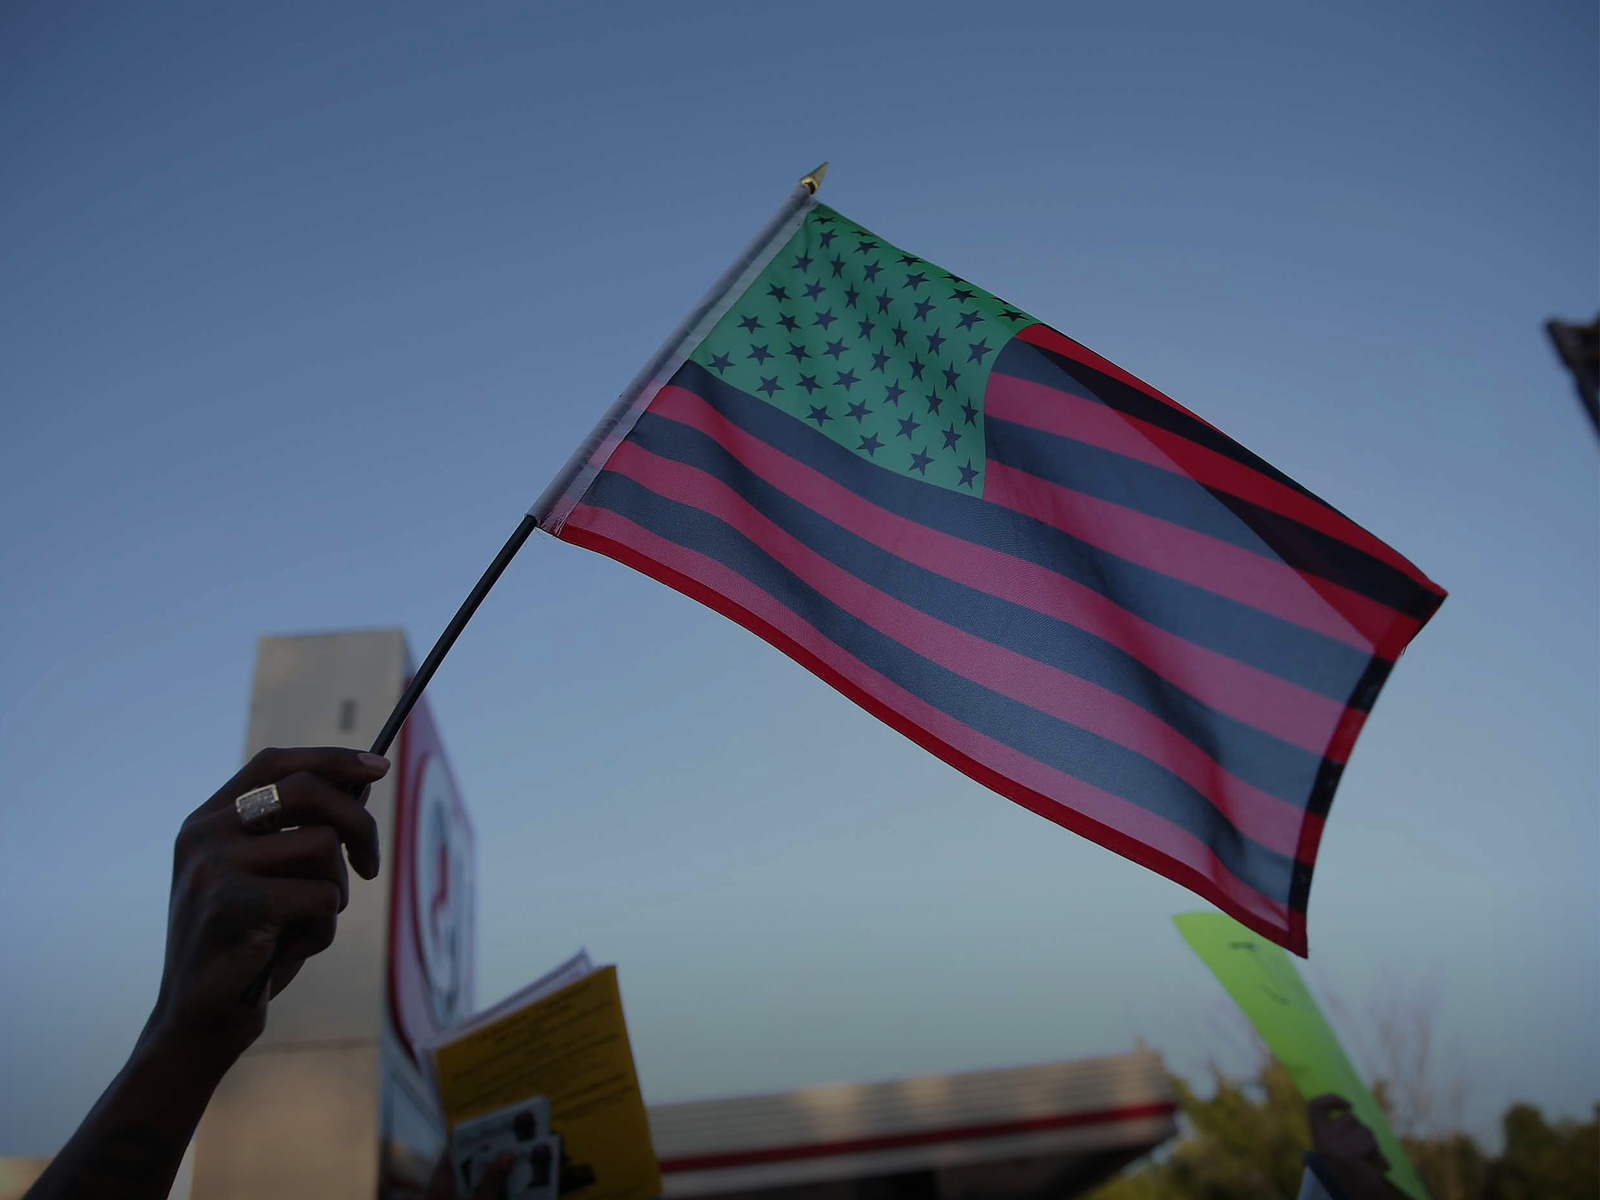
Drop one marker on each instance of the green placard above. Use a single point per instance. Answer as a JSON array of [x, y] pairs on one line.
[[1268, 989]]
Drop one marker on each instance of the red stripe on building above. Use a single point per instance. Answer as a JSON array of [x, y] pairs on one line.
[[1262, 817], [1088, 420], [920, 1137], [1105, 818], [1274, 705], [1268, 584]]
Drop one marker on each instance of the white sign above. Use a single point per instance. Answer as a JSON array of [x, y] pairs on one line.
[[443, 901]]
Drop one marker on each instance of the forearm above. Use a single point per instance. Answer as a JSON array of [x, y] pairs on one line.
[[241, 883], [132, 1142]]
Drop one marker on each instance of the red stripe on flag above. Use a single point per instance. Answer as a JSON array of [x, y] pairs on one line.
[[1087, 420], [1274, 705], [1264, 583], [1050, 339], [1115, 823], [1262, 817]]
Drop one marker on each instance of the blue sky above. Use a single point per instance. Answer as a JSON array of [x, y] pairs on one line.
[[304, 303]]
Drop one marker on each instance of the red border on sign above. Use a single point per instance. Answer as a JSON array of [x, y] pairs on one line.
[[410, 1005]]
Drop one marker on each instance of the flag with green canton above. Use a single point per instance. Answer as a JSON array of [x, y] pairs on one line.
[[1038, 567]]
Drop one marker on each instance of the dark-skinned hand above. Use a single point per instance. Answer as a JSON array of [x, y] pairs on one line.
[[1348, 1149], [491, 1187], [235, 893]]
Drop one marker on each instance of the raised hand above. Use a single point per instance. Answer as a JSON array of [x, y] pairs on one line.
[[238, 891]]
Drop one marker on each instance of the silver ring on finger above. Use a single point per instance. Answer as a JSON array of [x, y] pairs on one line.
[[260, 810]]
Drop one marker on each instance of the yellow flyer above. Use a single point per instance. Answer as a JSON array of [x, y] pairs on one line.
[[553, 1081]]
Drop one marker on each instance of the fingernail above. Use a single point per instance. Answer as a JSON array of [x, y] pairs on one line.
[[374, 762]]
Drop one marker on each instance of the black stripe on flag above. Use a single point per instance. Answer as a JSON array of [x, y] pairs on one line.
[[1024, 360], [1157, 492], [1279, 647], [1044, 738], [1259, 758], [1175, 498]]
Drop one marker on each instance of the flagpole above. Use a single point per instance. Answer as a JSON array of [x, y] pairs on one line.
[[562, 486], [556, 501], [804, 189], [408, 698]]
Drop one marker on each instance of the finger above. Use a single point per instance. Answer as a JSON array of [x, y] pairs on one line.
[[254, 910], [309, 800], [283, 975], [493, 1184], [309, 852], [337, 765], [1327, 1106], [293, 902], [1358, 1140], [306, 912], [306, 801]]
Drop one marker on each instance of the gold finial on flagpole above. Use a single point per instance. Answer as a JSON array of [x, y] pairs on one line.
[[812, 179]]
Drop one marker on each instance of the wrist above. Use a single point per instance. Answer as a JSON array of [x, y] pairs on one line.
[[181, 1056]]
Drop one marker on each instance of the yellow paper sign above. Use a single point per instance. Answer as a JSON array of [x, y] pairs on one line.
[[572, 1049], [1265, 985]]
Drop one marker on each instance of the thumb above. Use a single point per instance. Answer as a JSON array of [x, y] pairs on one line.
[[283, 975]]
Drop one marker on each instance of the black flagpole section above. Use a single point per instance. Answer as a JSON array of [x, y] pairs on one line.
[[408, 698]]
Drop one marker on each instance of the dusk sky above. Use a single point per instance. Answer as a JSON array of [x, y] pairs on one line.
[[302, 304]]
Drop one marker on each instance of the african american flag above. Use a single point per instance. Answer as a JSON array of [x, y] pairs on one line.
[[1049, 574]]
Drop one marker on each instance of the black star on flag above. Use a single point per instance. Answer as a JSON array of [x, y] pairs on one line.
[[808, 287]]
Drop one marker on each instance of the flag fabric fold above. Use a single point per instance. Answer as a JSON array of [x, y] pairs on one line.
[[1046, 572]]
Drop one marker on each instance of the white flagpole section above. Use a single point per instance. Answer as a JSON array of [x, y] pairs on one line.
[[551, 509]]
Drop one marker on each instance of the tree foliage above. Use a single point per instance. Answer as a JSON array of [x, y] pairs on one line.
[[1546, 1160], [1244, 1141]]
